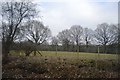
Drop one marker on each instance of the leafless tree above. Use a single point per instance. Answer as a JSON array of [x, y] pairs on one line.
[[55, 42], [64, 38], [105, 34], [37, 33], [13, 15], [76, 32], [87, 36]]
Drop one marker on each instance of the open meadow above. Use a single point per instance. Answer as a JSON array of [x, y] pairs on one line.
[[61, 65]]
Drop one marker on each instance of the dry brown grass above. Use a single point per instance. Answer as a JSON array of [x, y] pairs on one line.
[[59, 67]]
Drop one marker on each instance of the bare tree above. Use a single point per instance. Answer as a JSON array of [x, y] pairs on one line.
[[55, 42], [105, 34], [36, 33], [13, 15], [87, 36], [76, 32], [64, 38]]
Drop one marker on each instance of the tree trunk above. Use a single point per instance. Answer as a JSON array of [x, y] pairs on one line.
[[104, 48], [5, 52], [56, 49], [87, 47], [77, 48]]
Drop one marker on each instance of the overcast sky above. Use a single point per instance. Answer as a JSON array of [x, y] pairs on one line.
[[61, 14]]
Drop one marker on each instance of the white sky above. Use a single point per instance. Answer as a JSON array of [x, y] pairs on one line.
[[62, 14]]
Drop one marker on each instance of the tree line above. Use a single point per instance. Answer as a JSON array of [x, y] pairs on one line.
[[77, 39], [20, 26], [104, 35]]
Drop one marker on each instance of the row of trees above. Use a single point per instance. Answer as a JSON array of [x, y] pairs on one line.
[[19, 25], [104, 35]]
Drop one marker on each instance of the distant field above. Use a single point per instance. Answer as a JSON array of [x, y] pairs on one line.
[[80, 55]]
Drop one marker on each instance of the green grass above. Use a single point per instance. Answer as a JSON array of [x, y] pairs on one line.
[[80, 55]]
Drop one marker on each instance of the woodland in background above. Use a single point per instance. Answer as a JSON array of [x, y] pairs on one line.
[[111, 49], [22, 31]]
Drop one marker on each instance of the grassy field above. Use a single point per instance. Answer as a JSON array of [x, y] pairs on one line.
[[81, 55], [61, 65]]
